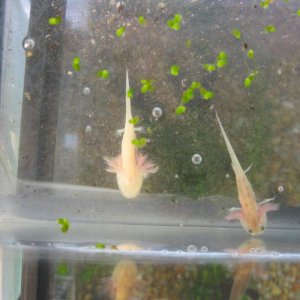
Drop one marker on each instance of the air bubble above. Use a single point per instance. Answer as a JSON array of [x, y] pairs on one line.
[[196, 159], [204, 249], [88, 128], [157, 112], [28, 43], [280, 189], [191, 248], [86, 90]]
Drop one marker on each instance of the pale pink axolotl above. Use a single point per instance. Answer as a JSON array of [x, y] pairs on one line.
[[252, 215], [130, 166]]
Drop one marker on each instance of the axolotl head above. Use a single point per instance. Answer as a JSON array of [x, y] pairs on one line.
[[256, 224]]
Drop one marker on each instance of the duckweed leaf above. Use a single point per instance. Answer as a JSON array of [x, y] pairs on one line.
[[298, 12], [181, 109], [142, 21], [134, 121], [222, 59], [208, 95], [250, 53], [174, 70], [62, 269], [270, 28], [196, 85], [209, 67], [188, 44], [120, 31], [236, 33], [247, 82], [187, 95], [64, 224], [130, 93], [265, 3], [139, 143], [147, 86], [103, 74], [76, 63], [55, 21], [175, 22], [100, 246]]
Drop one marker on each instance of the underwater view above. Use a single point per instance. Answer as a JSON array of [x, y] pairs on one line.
[[149, 149]]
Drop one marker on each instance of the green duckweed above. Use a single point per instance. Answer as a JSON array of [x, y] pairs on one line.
[[248, 80], [64, 224], [188, 44], [139, 143], [236, 33], [142, 21], [209, 67], [175, 23], [76, 63], [250, 54], [134, 121], [55, 20], [181, 109], [147, 86], [130, 93], [103, 74], [120, 31], [270, 28], [100, 246], [174, 70]]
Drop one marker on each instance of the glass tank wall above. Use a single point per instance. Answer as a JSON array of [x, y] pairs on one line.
[[128, 132]]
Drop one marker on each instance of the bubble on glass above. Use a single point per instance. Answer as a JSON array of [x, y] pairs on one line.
[[70, 73], [88, 128], [28, 43], [196, 159], [176, 176], [191, 248], [204, 249], [227, 175], [157, 112], [86, 90], [280, 189]]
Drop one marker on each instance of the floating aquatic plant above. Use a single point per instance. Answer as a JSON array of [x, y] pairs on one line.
[[298, 12], [130, 93], [187, 95], [188, 44], [174, 70], [100, 246], [250, 53], [206, 95], [103, 74], [222, 59], [62, 269], [236, 33], [142, 21], [64, 224], [147, 86], [120, 31], [270, 28], [209, 67], [175, 23], [134, 121], [265, 3], [139, 143], [248, 80], [181, 109], [76, 63], [196, 85], [55, 20]]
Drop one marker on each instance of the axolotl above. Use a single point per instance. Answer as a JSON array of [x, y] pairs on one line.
[[131, 166], [252, 215]]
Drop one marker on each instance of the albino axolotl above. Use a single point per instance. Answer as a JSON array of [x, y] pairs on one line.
[[124, 280], [130, 166], [252, 215], [244, 270]]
